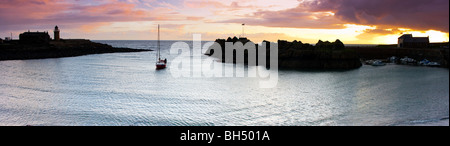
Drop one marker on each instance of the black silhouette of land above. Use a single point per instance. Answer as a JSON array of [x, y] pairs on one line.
[[14, 50], [39, 45], [291, 55], [298, 55], [335, 55]]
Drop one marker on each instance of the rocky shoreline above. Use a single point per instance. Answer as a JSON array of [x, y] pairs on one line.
[[15, 50], [296, 55]]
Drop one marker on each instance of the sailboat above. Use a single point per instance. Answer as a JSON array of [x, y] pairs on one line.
[[160, 63]]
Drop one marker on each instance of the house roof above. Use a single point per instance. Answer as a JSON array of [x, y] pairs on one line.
[[405, 36], [410, 38]]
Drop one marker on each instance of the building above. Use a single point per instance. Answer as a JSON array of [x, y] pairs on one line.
[[56, 34], [1, 41], [34, 37], [408, 41]]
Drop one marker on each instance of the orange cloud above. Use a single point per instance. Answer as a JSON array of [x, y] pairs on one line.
[[93, 26], [203, 4]]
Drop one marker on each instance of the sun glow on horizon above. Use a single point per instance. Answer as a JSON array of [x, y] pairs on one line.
[[435, 36], [350, 34]]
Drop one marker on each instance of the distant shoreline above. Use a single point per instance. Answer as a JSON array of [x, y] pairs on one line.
[[15, 50]]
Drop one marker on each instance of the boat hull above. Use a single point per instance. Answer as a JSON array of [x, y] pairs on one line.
[[160, 65]]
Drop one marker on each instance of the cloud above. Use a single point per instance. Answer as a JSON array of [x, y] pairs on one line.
[[26, 14], [333, 14], [293, 18], [320, 18], [203, 4], [413, 14], [93, 26], [384, 31], [194, 18], [23, 11], [274, 37]]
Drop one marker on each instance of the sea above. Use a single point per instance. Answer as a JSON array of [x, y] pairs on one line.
[[125, 89]]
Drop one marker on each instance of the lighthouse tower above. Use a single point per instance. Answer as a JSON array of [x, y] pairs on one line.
[[56, 33]]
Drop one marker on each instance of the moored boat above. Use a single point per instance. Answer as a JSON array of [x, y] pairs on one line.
[[407, 60], [426, 62], [378, 63], [160, 63]]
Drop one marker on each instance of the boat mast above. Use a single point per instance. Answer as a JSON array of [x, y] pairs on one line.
[[159, 47]]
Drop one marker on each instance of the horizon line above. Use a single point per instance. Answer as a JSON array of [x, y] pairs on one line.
[[261, 41]]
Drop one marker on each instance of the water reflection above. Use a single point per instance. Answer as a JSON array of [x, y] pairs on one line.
[[125, 89]]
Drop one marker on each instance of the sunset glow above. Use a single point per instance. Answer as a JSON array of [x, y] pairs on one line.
[[304, 20]]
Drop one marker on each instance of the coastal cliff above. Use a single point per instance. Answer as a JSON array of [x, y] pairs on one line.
[[296, 55], [16, 50]]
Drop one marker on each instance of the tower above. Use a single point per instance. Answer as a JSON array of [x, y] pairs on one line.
[[56, 33]]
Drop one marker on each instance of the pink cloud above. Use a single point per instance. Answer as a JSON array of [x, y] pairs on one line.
[[203, 4], [26, 14], [25, 11]]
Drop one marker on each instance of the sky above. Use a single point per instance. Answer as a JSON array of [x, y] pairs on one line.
[[351, 21]]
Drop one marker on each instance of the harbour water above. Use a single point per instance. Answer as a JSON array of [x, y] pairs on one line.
[[125, 89]]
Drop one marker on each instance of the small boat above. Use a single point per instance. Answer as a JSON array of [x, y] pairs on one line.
[[393, 59], [407, 60], [426, 62], [369, 62], [378, 63], [433, 64], [160, 63]]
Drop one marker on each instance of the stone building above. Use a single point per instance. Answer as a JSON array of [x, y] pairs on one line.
[[408, 41], [34, 37]]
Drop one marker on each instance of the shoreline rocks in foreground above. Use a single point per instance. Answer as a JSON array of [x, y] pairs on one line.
[[15, 50], [296, 55]]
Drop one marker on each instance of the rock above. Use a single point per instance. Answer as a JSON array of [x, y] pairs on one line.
[[296, 55]]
